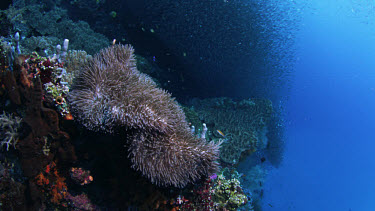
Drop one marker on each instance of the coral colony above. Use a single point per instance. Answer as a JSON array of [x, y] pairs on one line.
[[106, 94]]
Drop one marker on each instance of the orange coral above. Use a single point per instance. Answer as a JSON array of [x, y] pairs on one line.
[[47, 169], [52, 183], [42, 180], [25, 78]]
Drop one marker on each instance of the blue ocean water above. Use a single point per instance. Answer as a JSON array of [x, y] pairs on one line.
[[329, 157]]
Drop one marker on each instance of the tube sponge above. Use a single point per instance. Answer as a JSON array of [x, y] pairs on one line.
[[111, 94]]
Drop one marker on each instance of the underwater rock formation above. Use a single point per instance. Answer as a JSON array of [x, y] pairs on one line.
[[110, 94]]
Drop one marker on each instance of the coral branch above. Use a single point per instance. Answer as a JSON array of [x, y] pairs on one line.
[[9, 129]]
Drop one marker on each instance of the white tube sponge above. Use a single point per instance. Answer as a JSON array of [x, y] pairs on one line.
[[58, 50], [192, 129], [17, 39], [65, 49], [204, 131]]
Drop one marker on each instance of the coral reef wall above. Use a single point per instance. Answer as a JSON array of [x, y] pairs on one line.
[[243, 124], [111, 95], [42, 26]]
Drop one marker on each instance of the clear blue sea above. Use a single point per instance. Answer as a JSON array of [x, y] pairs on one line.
[[329, 161]]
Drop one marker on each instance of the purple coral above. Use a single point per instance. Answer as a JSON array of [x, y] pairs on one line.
[[81, 202], [214, 176]]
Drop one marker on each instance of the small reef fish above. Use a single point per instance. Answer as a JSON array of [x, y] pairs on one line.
[[221, 133]]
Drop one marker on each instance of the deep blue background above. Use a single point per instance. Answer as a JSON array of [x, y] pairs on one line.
[[330, 136]]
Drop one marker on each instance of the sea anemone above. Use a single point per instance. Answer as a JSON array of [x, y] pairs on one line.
[[110, 93]]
